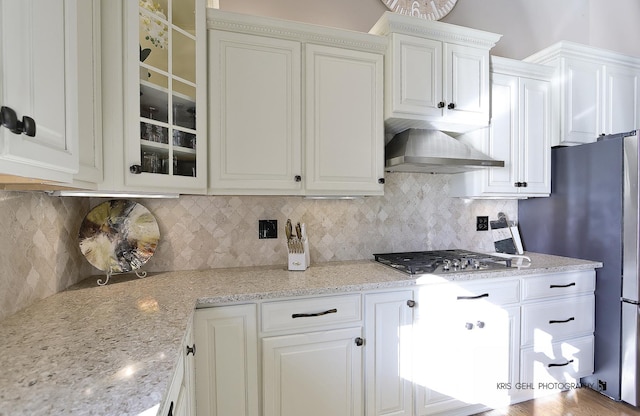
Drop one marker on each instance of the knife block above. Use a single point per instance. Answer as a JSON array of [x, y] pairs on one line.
[[299, 260]]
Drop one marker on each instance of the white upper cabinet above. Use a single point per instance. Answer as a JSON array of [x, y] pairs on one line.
[[41, 59], [622, 95], [519, 135], [595, 92], [154, 64], [344, 129], [437, 74], [297, 112], [254, 113]]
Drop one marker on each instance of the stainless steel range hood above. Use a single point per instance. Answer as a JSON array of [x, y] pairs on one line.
[[432, 151]]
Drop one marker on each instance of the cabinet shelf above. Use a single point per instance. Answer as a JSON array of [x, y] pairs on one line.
[[154, 104]]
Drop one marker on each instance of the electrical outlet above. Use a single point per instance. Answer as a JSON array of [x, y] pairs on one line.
[[267, 229], [482, 223]]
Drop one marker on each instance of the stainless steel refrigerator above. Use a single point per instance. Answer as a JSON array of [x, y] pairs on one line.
[[592, 214]]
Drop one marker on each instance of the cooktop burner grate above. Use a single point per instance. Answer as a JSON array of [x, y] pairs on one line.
[[441, 261]]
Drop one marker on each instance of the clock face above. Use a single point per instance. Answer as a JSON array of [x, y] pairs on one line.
[[426, 9]]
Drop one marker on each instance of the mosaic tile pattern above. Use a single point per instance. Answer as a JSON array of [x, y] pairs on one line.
[[39, 252], [414, 214]]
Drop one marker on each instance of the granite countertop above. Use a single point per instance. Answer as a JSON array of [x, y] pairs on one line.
[[111, 350]]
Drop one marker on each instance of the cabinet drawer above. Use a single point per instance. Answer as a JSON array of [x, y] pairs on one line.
[[552, 321], [559, 284], [456, 293], [563, 362], [310, 312]]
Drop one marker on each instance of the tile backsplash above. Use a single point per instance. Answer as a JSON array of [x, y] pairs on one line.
[[40, 254], [415, 213]]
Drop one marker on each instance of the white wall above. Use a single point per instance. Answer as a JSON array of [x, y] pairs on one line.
[[526, 25]]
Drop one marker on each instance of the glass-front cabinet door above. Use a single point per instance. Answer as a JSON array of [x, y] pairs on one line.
[[166, 144]]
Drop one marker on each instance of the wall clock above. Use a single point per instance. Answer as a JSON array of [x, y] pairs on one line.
[[426, 9]]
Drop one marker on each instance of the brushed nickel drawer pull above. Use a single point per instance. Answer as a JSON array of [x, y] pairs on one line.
[[557, 286], [307, 315], [484, 295], [560, 365], [562, 322]]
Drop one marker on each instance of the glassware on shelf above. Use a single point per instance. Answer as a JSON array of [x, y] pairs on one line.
[[178, 108], [148, 132], [178, 137], [192, 117], [160, 136], [150, 162]]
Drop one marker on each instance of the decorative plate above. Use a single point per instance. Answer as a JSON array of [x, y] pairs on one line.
[[430, 10], [118, 236]]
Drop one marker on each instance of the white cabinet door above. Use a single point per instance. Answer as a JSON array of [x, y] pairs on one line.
[[476, 350], [344, 131], [180, 398], [581, 95], [466, 85], [313, 374], [534, 150], [415, 77], [622, 94], [226, 361], [254, 113], [39, 69], [187, 397], [165, 96], [388, 361], [503, 135]]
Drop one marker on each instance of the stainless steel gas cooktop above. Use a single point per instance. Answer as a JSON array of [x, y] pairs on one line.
[[442, 261]]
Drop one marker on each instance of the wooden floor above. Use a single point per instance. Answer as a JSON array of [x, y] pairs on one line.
[[580, 402]]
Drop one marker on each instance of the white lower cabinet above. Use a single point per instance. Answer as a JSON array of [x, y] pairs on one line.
[[312, 355], [314, 374], [227, 361], [448, 348], [388, 353], [557, 332], [560, 364], [180, 399], [466, 334]]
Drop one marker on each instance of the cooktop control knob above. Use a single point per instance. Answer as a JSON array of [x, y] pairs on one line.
[[446, 264]]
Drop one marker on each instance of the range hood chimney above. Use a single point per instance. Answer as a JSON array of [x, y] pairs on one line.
[[432, 151]]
